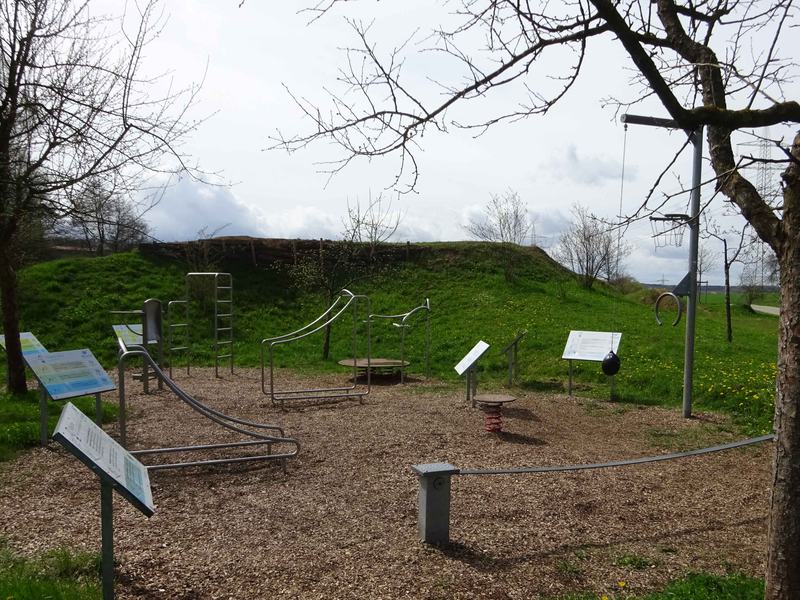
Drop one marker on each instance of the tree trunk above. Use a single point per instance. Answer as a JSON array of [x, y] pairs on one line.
[[728, 301], [783, 559], [15, 375], [783, 556], [727, 267]]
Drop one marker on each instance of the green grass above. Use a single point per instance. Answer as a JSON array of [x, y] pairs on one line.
[[57, 575], [768, 299], [470, 300], [19, 419], [698, 586]]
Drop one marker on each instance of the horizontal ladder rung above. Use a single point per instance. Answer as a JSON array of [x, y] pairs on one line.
[[179, 324], [218, 316], [224, 287], [223, 343], [224, 328], [181, 348], [224, 301], [225, 356]]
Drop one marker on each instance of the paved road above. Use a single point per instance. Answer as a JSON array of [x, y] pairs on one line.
[[770, 310]]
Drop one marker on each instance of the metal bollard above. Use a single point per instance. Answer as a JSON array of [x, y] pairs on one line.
[[433, 525]]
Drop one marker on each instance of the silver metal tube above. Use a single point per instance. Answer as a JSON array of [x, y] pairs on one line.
[[98, 410], [42, 416], [694, 239], [107, 537]]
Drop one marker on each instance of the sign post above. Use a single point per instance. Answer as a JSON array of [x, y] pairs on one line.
[[592, 346], [64, 375], [467, 364], [117, 470]]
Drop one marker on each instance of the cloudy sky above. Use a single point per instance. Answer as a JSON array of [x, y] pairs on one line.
[[249, 56]]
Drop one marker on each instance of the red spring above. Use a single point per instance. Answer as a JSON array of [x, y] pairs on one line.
[[494, 417]]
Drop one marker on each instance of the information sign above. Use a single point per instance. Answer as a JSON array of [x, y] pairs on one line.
[[30, 345], [590, 345], [470, 359], [70, 374], [129, 337], [110, 461]]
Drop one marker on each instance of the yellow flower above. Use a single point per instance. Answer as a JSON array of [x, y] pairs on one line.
[[621, 584], [604, 598]]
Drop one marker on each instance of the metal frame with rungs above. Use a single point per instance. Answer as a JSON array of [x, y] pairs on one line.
[[152, 332], [513, 363], [318, 393], [403, 326], [433, 525], [223, 321], [221, 419]]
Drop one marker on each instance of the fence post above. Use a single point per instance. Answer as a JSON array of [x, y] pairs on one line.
[[433, 524], [408, 250]]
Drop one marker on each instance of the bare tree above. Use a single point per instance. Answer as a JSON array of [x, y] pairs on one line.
[[730, 255], [706, 261], [373, 226], [750, 283], [588, 247], [106, 218], [715, 65], [506, 223], [73, 106]]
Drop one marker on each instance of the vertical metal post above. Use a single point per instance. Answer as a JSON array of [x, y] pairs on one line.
[[43, 415], [428, 343], [121, 388], [510, 366], [403, 355], [107, 526], [569, 388], [611, 395], [516, 362], [469, 383], [694, 239], [433, 525], [145, 344], [98, 409], [216, 326], [188, 332], [474, 384]]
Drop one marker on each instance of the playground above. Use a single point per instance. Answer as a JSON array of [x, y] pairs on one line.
[[342, 521]]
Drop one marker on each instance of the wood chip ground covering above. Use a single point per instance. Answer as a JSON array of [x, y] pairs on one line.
[[342, 522]]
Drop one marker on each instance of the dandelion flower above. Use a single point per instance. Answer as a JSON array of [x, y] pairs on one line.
[[622, 584]]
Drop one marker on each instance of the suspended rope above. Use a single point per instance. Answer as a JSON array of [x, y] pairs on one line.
[[611, 362]]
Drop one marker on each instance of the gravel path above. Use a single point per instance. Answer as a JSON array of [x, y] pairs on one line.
[[341, 523]]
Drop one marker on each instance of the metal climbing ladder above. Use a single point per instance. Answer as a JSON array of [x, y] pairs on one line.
[[223, 322], [223, 319]]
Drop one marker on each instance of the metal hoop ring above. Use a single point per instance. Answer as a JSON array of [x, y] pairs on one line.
[[680, 309]]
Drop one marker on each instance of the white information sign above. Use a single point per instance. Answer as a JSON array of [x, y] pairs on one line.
[[470, 359], [30, 345], [95, 448], [590, 345], [128, 336], [70, 374]]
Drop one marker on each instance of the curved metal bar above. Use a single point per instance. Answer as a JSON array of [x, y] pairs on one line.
[[319, 318], [283, 395], [622, 463], [426, 306], [279, 341], [214, 415], [658, 301]]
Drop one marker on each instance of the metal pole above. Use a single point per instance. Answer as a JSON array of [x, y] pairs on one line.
[[43, 415], [611, 395], [510, 366], [516, 361], [694, 239], [469, 382], [121, 388], [474, 384], [428, 346], [146, 345], [107, 526], [403, 357], [98, 408], [569, 388]]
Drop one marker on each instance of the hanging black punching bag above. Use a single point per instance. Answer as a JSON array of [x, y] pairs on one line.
[[611, 364]]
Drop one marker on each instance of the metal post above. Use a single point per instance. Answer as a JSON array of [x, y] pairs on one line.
[[510, 367], [145, 344], [43, 414], [98, 409], [516, 362], [403, 356], [474, 384], [469, 383], [107, 526], [694, 239], [611, 395], [569, 388], [121, 388], [433, 525], [428, 343]]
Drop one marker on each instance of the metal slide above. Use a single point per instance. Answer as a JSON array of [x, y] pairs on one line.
[[338, 392], [222, 419]]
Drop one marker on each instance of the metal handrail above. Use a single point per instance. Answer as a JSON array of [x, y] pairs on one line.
[[220, 418], [282, 395], [405, 316]]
